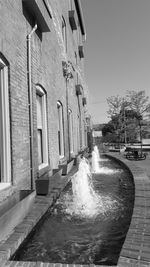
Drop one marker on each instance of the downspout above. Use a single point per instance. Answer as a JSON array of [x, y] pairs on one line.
[[30, 102]]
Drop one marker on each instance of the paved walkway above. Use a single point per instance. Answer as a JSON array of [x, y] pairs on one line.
[[144, 165], [136, 249]]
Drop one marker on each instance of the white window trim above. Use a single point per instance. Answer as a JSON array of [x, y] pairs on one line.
[[41, 93], [62, 131], [5, 131], [4, 186], [71, 131]]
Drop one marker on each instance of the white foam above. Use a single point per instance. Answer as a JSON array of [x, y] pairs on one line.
[[85, 202]]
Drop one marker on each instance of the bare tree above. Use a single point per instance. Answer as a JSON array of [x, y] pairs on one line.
[[114, 104], [130, 110], [138, 102]]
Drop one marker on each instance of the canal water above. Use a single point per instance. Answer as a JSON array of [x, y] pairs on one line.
[[89, 222]]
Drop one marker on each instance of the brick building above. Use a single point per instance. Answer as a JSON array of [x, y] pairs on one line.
[[42, 89]]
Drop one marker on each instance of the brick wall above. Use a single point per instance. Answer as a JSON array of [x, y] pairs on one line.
[[47, 54]]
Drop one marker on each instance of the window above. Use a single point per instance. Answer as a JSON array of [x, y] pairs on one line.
[[83, 133], [71, 130], [41, 127], [78, 132], [76, 59], [60, 129], [5, 162], [64, 33]]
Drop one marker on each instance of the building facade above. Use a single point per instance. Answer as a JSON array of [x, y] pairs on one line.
[[42, 89]]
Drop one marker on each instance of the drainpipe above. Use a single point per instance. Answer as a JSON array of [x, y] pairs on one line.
[[30, 101]]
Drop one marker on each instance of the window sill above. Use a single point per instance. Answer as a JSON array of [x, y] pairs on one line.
[[42, 166], [4, 186], [61, 156], [72, 154], [43, 169], [62, 160]]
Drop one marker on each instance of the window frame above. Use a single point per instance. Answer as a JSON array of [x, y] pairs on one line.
[[61, 142], [70, 115], [5, 165], [44, 130]]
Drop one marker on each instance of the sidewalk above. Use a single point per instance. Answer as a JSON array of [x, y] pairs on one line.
[[144, 165], [136, 248]]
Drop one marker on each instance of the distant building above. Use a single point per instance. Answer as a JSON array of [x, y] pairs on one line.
[[146, 141], [42, 89], [144, 132], [97, 130], [97, 133]]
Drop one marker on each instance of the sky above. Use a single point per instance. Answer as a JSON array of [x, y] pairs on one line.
[[117, 51]]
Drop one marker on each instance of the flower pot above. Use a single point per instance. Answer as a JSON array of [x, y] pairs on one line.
[[42, 186], [66, 168]]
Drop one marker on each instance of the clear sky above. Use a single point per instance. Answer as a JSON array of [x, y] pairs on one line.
[[117, 50]]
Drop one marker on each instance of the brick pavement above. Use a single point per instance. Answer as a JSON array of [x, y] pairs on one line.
[[144, 165], [136, 248]]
